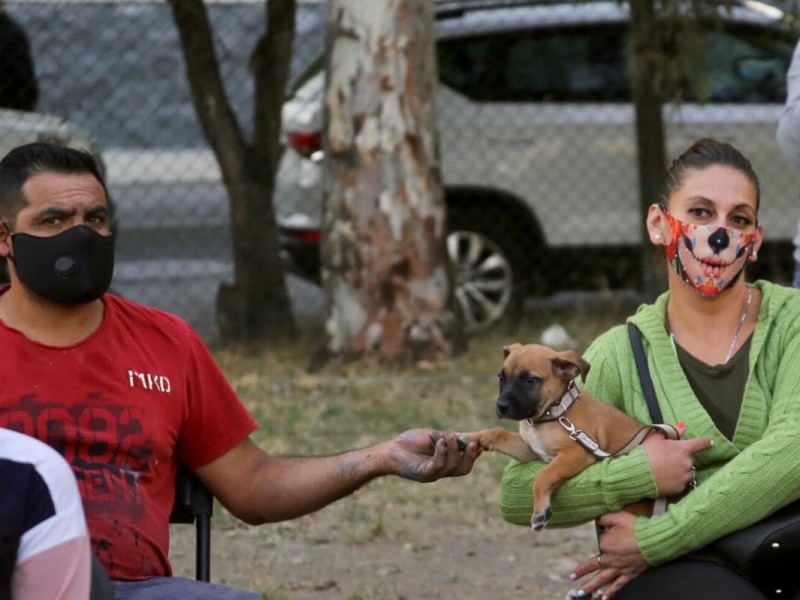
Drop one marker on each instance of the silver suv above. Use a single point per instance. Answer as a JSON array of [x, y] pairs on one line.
[[538, 147]]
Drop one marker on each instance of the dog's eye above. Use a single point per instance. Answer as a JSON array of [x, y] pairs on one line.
[[501, 378], [531, 379]]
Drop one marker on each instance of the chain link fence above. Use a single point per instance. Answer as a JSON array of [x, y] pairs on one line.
[[536, 132], [115, 71]]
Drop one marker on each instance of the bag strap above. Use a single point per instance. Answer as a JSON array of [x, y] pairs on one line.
[[659, 504], [644, 373]]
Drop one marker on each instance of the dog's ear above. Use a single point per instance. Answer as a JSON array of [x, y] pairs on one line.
[[569, 364], [509, 349]]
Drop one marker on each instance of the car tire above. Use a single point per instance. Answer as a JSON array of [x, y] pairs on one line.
[[488, 272]]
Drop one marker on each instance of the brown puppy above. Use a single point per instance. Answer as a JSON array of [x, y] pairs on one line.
[[560, 423]]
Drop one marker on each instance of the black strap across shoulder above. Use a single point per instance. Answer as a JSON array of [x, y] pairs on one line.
[[644, 373]]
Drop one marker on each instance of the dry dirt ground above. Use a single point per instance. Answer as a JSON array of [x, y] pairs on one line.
[[417, 549]]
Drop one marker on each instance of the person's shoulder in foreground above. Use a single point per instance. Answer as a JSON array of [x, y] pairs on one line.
[[43, 528], [788, 131]]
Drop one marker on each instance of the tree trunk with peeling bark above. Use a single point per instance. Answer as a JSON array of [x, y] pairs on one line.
[[385, 268], [256, 306]]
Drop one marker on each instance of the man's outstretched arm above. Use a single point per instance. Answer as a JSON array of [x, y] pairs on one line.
[[259, 488]]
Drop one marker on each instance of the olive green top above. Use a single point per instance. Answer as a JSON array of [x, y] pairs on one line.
[[719, 388]]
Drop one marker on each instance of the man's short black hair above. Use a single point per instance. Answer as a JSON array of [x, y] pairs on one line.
[[23, 162]]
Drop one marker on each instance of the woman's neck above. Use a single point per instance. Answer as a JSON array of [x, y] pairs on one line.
[[711, 328]]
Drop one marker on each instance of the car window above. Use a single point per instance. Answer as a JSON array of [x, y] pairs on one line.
[[466, 65], [738, 64], [571, 65], [578, 64], [311, 70], [741, 65]]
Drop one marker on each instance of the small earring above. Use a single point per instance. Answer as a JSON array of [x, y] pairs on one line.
[[755, 256]]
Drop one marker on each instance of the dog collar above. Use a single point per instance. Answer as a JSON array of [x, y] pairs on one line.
[[556, 411]]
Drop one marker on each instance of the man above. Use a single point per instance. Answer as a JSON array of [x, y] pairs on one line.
[[44, 543], [788, 135], [18, 87], [125, 392]]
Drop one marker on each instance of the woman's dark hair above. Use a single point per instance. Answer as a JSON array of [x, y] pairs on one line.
[[704, 153], [23, 162]]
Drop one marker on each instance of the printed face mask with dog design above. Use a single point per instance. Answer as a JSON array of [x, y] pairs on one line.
[[710, 259]]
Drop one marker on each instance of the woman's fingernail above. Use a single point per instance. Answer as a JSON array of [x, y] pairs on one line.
[[573, 576], [580, 594]]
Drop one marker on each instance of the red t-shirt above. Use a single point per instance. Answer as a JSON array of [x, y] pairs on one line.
[[122, 406]]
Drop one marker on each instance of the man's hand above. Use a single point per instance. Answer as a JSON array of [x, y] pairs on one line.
[[672, 461], [427, 455]]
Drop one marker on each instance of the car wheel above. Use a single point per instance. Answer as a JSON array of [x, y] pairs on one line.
[[484, 279]]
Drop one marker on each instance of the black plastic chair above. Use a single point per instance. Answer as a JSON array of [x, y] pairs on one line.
[[101, 588], [194, 504]]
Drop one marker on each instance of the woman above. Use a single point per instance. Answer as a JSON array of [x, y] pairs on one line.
[[724, 359]]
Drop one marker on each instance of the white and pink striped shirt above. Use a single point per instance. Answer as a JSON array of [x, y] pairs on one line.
[[41, 513]]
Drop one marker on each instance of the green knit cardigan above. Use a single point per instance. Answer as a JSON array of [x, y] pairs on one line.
[[739, 481]]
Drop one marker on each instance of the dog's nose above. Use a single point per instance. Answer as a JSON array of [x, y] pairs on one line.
[[502, 407]]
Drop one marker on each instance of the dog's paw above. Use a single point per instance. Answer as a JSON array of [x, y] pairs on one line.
[[541, 519]]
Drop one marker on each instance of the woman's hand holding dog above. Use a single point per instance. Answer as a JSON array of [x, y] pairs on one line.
[[427, 455], [672, 462], [619, 560]]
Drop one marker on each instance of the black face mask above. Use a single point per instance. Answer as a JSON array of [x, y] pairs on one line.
[[73, 267]]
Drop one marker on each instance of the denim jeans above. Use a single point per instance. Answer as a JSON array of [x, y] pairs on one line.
[[796, 282], [177, 588]]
